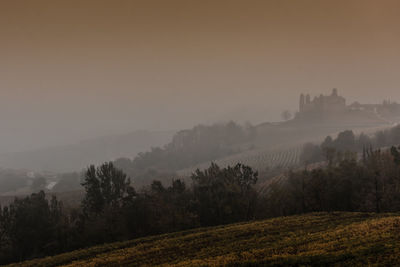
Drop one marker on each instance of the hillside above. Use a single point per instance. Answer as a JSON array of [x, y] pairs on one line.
[[74, 157], [286, 153], [258, 159], [314, 239]]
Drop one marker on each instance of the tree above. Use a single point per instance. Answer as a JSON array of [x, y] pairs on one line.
[[329, 153], [28, 228], [108, 193], [363, 141], [396, 154], [224, 195], [298, 186], [374, 164], [345, 141], [311, 153], [105, 186], [286, 115], [5, 227]]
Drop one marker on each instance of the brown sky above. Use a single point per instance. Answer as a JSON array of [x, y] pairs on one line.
[[74, 69]]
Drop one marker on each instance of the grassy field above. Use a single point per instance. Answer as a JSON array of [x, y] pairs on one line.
[[316, 239]]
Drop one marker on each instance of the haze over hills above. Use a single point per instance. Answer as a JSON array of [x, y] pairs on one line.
[[146, 156], [280, 144], [188, 133], [74, 157], [316, 118], [270, 148]]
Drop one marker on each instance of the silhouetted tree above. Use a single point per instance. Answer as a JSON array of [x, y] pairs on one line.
[[224, 195], [286, 115], [28, 228], [105, 186]]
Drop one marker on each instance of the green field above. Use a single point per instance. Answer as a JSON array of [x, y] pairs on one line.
[[316, 239]]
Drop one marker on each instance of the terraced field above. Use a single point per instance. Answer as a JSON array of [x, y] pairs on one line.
[[317, 239], [258, 159], [283, 155]]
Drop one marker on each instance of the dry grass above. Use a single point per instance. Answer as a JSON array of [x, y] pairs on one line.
[[316, 239]]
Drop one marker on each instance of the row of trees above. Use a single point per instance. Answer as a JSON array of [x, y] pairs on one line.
[[112, 210], [348, 141], [370, 184], [31, 226]]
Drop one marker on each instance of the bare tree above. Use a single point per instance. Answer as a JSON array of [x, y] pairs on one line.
[[286, 115]]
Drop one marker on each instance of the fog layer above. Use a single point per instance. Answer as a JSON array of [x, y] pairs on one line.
[[72, 70]]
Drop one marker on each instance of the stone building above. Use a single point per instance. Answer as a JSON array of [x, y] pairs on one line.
[[322, 103], [333, 107]]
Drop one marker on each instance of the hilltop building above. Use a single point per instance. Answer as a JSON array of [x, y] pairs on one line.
[[333, 106], [322, 105]]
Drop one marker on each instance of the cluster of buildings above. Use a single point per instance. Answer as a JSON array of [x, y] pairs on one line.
[[322, 103], [334, 105]]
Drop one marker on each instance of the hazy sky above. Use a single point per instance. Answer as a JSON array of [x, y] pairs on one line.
[[70, 70]]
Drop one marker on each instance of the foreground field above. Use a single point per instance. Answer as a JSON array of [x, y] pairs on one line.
[[315, 239]]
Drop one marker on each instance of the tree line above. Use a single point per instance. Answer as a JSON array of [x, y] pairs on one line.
[[187, 148], [113, 210], [346, 183], [348, 141], [200, 144]]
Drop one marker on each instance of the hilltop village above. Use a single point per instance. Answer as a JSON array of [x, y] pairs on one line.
[[334, 107]]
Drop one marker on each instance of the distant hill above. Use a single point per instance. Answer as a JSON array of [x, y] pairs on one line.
[[74, 157], [316, 239], [159, 155], [280, 145]]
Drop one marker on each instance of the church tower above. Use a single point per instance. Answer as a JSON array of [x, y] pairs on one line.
[[301, 105]]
